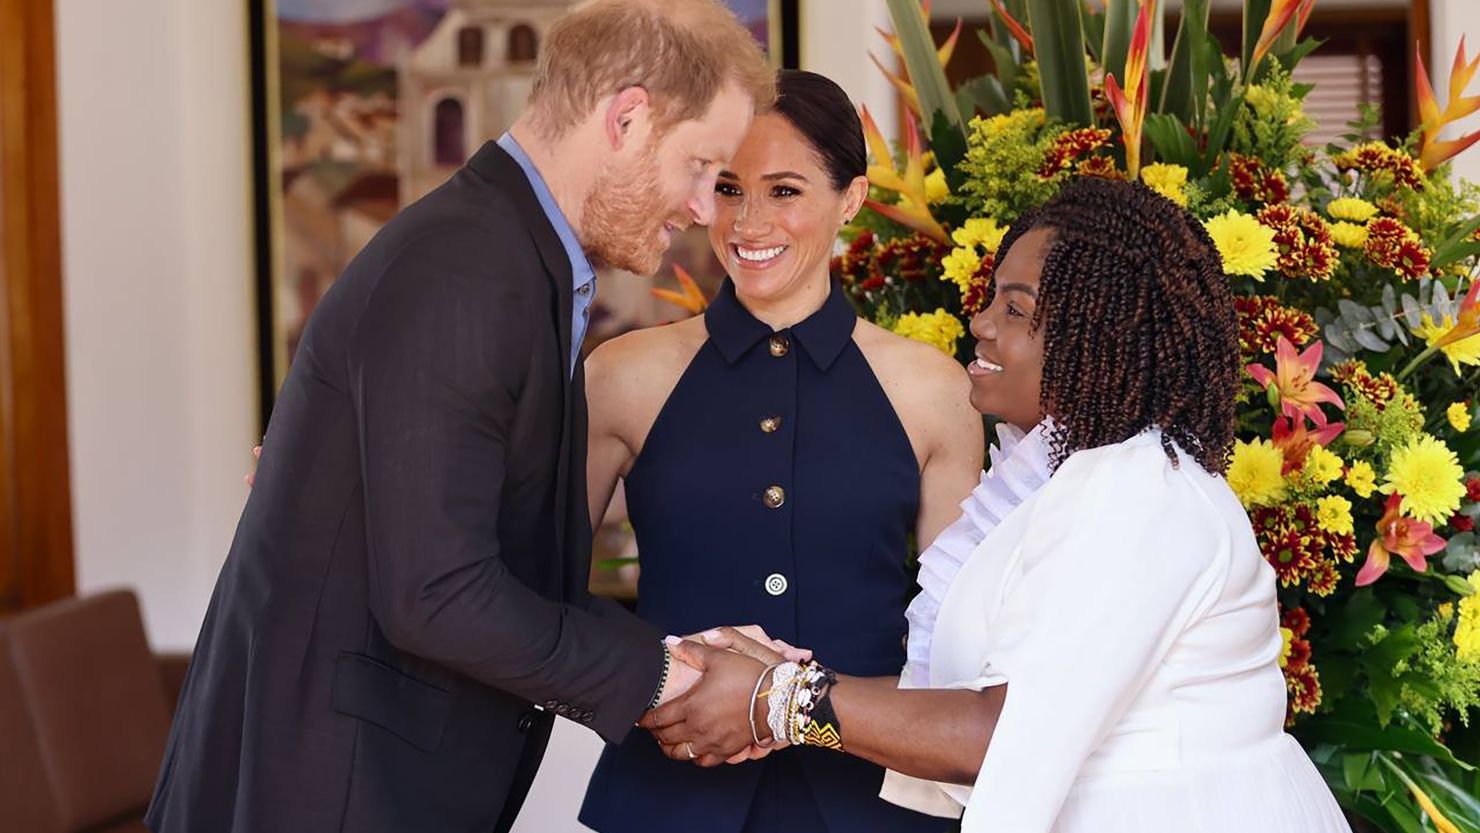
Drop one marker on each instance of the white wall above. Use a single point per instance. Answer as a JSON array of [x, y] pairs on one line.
[[836, 37], [158, 295]]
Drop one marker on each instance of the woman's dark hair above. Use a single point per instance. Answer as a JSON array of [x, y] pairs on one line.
[[1137, 320], [823, 113]]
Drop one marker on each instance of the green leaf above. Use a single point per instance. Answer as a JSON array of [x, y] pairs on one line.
[[1004, 64], [1093, 22], [923, 65], [614, 563], [1290, 58], [1120, 22], [1398, 645], [1058, 39], [948, 144], [1456, 247], [1171, 141], [1184, 83], [1386, 693], [1460, 586], [1218, 132], [1362, 612], [1355, 769], [1364, 737], [984, 94], [1255, 11]]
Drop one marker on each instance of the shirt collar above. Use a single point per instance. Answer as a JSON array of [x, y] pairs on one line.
[[580, 265], [822, 335]]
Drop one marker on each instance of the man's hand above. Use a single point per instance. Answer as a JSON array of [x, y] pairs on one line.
[[710, 724]]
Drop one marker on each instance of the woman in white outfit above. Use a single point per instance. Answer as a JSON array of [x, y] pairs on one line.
[[1095, 647]]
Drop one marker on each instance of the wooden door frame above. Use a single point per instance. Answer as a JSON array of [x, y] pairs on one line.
[[36, 563]]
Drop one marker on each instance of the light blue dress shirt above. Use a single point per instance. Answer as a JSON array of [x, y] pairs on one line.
[[582, 275]]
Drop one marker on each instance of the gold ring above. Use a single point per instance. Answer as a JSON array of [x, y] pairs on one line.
[[689, 747]]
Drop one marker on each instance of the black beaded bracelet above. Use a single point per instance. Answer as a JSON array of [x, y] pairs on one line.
[[662, 679]]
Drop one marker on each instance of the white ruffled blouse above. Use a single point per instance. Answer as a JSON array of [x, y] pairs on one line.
[[1125, 604]]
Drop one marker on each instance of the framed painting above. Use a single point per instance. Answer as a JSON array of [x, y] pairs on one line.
[[361, 106]]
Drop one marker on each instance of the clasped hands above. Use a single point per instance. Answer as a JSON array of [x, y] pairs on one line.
[[707, 716]]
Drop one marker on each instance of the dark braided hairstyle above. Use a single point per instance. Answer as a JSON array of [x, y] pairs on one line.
[[1137, 320]]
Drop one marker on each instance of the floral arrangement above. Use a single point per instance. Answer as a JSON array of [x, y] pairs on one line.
[[1359, 320]]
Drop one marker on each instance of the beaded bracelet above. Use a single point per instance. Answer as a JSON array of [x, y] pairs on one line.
[[662, 678]]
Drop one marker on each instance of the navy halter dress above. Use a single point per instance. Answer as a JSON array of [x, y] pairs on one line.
[[776, 487]]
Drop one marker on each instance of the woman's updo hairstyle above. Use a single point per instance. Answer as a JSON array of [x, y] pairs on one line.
[[820, 110]]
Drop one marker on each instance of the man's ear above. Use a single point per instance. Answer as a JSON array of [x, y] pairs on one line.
[[628, 118]]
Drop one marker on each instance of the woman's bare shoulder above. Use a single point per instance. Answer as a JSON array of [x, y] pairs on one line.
[[642, 365]]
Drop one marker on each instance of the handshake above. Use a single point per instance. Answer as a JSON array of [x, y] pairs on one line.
[[729, 696]]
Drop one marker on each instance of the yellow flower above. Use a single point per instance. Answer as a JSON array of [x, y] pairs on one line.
[[1349, 235], [1362, 479], [1351, 208], [980, 232], [1245, 244], [1287, 639], [939, 329], [1167, 180], [1334, 515], [1262, 99], [936, 189], [1459, 416], [960, 265], [1467, 631], [1464, 351], [1254, 473], [1321, 466], [1429, 477]]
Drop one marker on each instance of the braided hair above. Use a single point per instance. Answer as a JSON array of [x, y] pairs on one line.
[[1138, 323]]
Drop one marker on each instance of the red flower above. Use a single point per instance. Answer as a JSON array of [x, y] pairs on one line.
[[1323, 578], [1289, 552], [1341, 545], [1379, 389], [1392, 245], [1462, 523], [1304, 685], [1295, 442], [1262, 320], [1069, 147], [1297, 620], [1411, 539], [1253, 182], [1299, 653], [1303, 240], [1472, 489]]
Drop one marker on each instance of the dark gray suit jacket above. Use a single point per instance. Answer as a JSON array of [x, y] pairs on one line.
[[409, 575]]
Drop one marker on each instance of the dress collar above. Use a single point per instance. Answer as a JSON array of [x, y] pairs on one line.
[[822, 335]]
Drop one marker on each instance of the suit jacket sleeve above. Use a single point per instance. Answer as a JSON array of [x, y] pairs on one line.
[[437, 365]]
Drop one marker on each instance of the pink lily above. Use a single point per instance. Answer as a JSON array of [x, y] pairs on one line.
[[1295, 442], [1130, 104], [1280, 14], [1293, 379], [1411, 539], [1435, 151]]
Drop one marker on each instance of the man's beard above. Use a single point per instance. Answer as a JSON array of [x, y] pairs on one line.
[[624, 214]]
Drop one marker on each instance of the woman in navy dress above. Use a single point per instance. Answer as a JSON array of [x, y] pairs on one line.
[[778, 455]]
